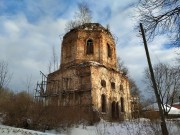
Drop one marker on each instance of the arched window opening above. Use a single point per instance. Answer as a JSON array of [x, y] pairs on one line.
[[89, 49], [112, 85], [122, 104], [103, 83], [113, 110], [109, 51], [117, 110], [103, 103], [121, 88]]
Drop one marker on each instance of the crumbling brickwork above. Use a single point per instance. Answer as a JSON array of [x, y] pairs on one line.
[[88, 75]]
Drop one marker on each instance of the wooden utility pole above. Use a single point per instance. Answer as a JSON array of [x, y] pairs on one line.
[[163, 123]]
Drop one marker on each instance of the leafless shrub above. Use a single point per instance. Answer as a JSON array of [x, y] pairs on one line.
[[5, 95], [21, 111], [5, 75], [16, 109]]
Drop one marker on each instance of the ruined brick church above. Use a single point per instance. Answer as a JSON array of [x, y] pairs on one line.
[[88, 74]]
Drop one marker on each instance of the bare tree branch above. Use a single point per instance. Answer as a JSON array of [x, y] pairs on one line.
[[82, 16], [54, 61], [28, 84], [168, 83], [161, 17], [5, 75], [121, 66]]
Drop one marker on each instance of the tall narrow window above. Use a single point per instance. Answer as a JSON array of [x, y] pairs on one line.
[[109, 50], [103, 83], [89, 48], [113, 110], [103, 103], [112, 85], [122, 104], [121, 88], [117, 110]]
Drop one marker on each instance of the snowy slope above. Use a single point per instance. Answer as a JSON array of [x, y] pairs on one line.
[[134, 127], [6, 130]]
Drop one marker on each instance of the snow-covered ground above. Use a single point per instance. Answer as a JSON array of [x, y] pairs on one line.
[[6, 130], [135, 127]]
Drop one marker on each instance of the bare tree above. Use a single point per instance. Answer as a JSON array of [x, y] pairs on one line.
[[5, 75], [121, 66], [161, 17], [82, 16], [134, 88], [135, 99], [54, 61], [168, 84], [28, 84]]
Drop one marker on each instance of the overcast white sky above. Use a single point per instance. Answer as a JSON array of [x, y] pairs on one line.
[[29, 29]]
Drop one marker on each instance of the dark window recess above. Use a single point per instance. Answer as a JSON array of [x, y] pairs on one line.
[[121, 88], [103, 103], [66, 83], [103, 83], [109, 50], [122, 104], [112, 85], [90, 48], [117, 110], [113, 110]]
